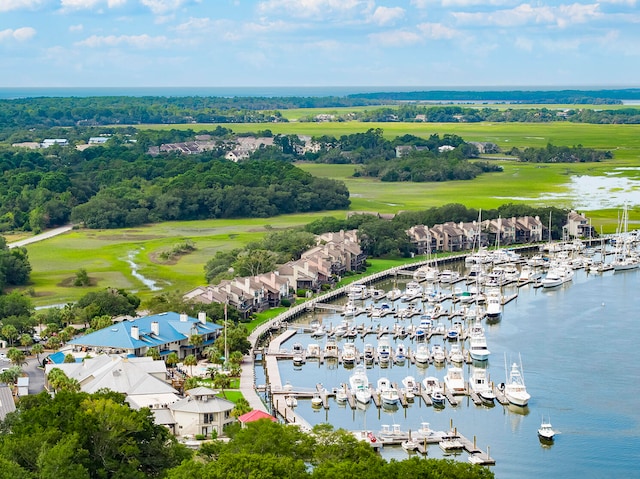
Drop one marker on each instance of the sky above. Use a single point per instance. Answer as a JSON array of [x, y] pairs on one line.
[[316, 43]]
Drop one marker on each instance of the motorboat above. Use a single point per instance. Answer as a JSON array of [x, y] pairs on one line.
[[454, 332], [359, 384], [384, 350], [318, 332], [291, 401], [557, 275], [298, 354], [394, 294], [358, 291], [369, 353], [341, 394], [545, 431], [410, 387], [438, 354], [493, 310], [454, 380], [409, 445], [400, 354], [478, 343], [349, 353], [426, 272], [388, 394], [514, 388], [378, 294], [448, 276], [455, 354], [437, 398], [313, 351], [422, 354], [431, 384], [480, 384], [331, 348], [316, 401], [412, 291]]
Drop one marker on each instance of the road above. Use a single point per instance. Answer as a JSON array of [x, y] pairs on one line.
[[41, 236]]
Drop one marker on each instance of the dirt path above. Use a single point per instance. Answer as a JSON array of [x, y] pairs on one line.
[[42, 236]]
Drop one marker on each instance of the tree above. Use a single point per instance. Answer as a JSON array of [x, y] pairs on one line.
[[221, 381], [37, 349], [69, 358], [26, 340], [82, 278], [10, 333], [242, 407], [190, 361], [252, 263], [153, 353], [16, 356], [172, 359]]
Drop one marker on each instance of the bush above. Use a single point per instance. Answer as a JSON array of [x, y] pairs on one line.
[[301, 293], [285, 302], [200, 437]]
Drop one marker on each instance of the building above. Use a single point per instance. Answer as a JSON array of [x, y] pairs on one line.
[[201, 412], [578, 226], [253, 416], [46, 143], [7, 404], [166, 332]]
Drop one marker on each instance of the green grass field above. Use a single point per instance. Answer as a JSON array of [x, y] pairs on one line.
[[105, 254]]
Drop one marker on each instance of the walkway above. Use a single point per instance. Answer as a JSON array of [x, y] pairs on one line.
[[41, 236]]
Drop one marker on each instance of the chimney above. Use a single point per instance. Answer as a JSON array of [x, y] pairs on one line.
[[202, 317], [155, 328], [135, 332], [184, 317]]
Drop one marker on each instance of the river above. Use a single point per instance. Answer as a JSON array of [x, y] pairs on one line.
[[579, 349]]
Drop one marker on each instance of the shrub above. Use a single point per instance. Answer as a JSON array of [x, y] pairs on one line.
[[285, 302]]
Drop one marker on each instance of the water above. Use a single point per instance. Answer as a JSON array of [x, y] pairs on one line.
[[149, 283], [579, 349]]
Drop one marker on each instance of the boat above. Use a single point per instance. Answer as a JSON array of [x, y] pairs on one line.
[[437, 398], [378, 294], [349, 353], [388, 394], [545, 431], [358, 291], [291, 401], [394, 294], [426, 272], [454, 380], [514, 388], [313, 351], [298, 354], [316, 401], [493, 310], [422, 354], [412, 291], [318, 332], [480, 384], [410, 387], [341, 394], [409, 444], [431, 384], [455, 354], [438, 354], [384, 350], [369, 353], [478, 343], [454, 332], [448, 276], [400, 355], [359, 384], [557, 275], [331, 348]]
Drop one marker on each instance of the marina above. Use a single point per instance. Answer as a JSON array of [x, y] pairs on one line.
[[535, 323]]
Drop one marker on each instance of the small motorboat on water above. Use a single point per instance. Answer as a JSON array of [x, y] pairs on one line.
[[546, 432]]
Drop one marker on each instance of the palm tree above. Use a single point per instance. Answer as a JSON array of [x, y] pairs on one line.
[[37, 349], [190, 361], [16, 356], [172, 359], [212, 353], [154, 353], [26, 340], [196, 341], [222, 382]]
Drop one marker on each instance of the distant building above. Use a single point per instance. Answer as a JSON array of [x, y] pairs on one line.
[[54, 141], [7, 404]]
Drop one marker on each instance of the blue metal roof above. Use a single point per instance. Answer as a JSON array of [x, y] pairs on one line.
[[170, 329]]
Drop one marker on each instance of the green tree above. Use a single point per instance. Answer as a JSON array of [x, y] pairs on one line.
[[66, 458], [37, 349], [10, 333], [172, 359], [26, 340], [16, 356], [254, 262], [221, 381], [190, 361], [153, 353], [242, 407], [82, 278]]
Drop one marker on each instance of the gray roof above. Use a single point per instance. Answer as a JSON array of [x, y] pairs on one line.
[[6, 402], [201, 406]]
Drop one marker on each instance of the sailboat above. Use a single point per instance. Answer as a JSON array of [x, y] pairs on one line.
[[624, 260]]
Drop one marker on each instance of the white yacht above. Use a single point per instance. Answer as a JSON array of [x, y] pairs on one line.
[[514, 388], [557, 275], [349, 353], [481, 385], [422, 354], [493, 310], [410, 387], [388, 394], [438, 354], [454, 380], [412, 291], [546, 431], [400, 354], [455, 354], [431, 384], [359, 384], [313, 351], [384, 350], [331, 348], [478, 343]]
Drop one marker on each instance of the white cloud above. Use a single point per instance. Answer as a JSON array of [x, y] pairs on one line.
[[78, 4], [316, 9], [396, 38], [160, 7], [19, 34], [525, 44], [76, 28], [386, 15], [437, 31], [631, 3], [525, 14], [8, 5], [461, 3], [194, 25], [136, 41]]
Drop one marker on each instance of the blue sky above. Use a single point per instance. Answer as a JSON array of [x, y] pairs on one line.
[[430, 43]]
